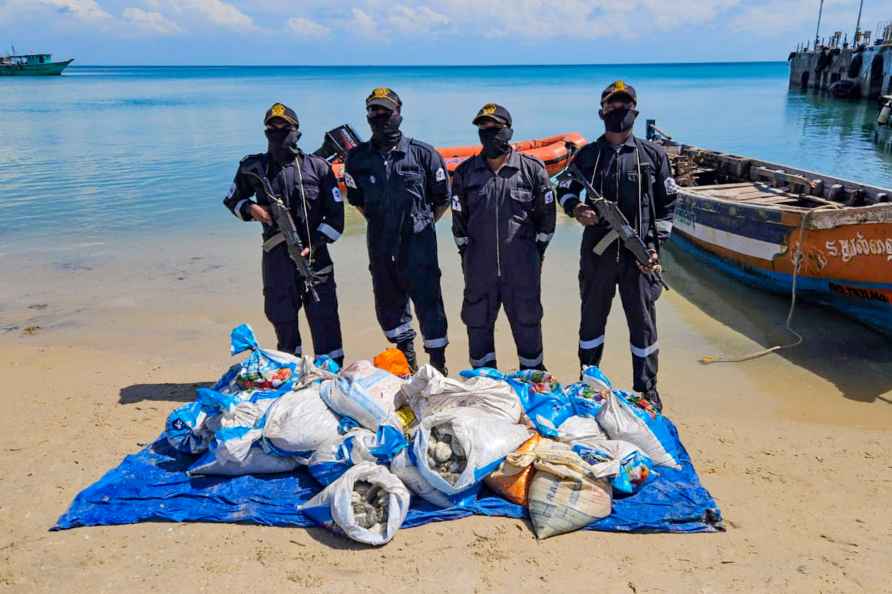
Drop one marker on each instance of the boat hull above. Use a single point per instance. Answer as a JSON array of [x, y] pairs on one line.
[[49, 69], [847, 253]]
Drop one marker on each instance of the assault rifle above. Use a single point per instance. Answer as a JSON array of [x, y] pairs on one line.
[[282, 216], [619, 225]]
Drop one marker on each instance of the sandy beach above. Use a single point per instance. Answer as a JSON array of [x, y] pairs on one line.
[[99, 342]]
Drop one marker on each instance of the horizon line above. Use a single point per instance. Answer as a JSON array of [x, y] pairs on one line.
[[702, 63]]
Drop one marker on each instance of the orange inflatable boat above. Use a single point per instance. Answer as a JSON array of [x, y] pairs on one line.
[[555, 151]]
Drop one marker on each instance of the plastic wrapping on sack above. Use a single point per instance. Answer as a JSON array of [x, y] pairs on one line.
[[429, 392], [566, 493], [587, 401], [298, 423], [261, 371], [540, 394], [597, 379], [577, 427], [334, 458], [455, 449], [407, 471], [513, 482], [188, 428], [633, 468], [367, 504], [647, 430], [364, 393], [234, 449]]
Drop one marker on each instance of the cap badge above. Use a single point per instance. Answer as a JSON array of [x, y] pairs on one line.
[[619, 86], [277, 111], [488, 109], [381, 93]]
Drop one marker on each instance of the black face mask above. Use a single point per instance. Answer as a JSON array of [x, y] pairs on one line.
[[282, 143], [496, 141], [619, 120], [385, 128]]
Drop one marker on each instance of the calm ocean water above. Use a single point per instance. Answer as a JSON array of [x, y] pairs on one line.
[[104, 152]]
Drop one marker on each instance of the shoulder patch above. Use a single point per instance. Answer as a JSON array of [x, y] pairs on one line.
[[440, 175], [671, 186], [232, 190], [349, 181], [336, 194], [549, 197], [456, 204]]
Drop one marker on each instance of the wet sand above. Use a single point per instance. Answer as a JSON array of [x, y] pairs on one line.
[[99, 342]]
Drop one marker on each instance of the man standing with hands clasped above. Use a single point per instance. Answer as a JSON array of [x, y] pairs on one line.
[[503, 216], [635, 174], [401, 187]]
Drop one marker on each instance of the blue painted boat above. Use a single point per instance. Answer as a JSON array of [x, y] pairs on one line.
[[755, 220]]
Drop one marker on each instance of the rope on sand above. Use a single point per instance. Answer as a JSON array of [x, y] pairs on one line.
[[797, 259]]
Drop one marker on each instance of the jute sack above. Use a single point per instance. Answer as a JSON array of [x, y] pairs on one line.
[[566, 493]]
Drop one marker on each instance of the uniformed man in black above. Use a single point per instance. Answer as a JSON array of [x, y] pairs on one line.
[[401, 187], [635, 174], [307, 185], [502, 219]]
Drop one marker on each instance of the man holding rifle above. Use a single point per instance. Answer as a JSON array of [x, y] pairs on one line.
[[634, 174], [302, 211]]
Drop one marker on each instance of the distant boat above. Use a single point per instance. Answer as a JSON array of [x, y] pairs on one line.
[[753, 219], [31, 65]]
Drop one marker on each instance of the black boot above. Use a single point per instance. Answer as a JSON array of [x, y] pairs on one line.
[[438, 360], [653, 397], [408, 349]]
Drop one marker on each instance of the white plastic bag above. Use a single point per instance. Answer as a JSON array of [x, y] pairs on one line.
[[333, 458], [577, 427], [299, 422], [364, 393], [407, 472], [333, 508], [429, 392], [620, 421], [484, 439], [256, 461]]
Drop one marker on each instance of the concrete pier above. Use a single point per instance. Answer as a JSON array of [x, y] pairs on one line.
[[818, 69]]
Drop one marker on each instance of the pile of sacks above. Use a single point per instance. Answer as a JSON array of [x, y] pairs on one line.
[[373, 439]]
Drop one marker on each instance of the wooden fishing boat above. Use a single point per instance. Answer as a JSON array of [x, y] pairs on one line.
[[31, 65], [756, 221], [555, 151]]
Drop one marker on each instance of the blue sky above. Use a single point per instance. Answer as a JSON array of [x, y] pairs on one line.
[[421, 32]]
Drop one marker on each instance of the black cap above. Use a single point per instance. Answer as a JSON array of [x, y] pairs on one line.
[[384, 97], [619, 90], [494, 112], [280, 110]]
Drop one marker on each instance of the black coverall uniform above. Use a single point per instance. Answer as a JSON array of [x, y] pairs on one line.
[[319, 221], [399, 192], [502, 223], [636, 175]]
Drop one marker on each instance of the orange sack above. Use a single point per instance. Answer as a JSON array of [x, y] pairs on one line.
[[512, 482], [394, 361]]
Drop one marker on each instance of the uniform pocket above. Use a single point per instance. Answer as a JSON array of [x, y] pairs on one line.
[[475, 312]]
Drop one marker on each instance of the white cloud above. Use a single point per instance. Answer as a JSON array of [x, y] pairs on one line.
[[362, 23], [308, 28], [218, 13], [153, 22], [82, 10], [406, 19]]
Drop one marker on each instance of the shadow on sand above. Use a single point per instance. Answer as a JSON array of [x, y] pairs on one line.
[[160, 392], [856, 359]]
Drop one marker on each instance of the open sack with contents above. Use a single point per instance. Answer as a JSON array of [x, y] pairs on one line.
[[364, 452]]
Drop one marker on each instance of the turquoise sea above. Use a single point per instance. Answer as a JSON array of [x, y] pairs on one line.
[[103, 152]]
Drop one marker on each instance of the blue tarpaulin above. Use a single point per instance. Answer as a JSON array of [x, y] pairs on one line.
[[152, 485]]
